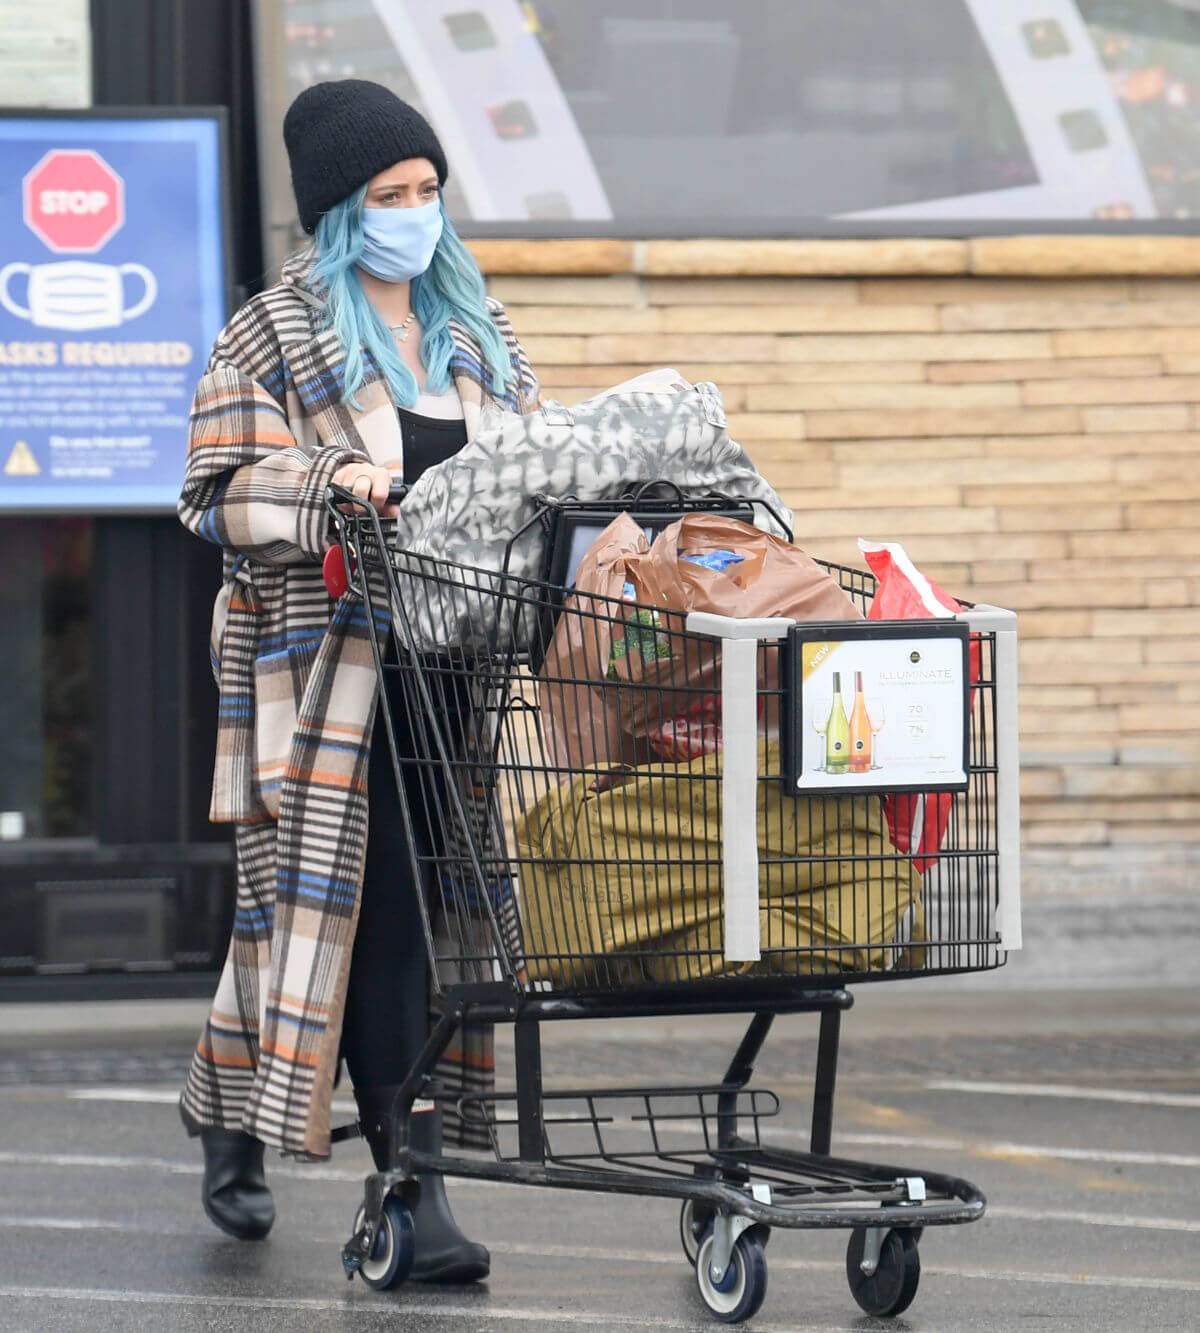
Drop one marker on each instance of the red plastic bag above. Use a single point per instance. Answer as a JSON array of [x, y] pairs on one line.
[[917, 821]]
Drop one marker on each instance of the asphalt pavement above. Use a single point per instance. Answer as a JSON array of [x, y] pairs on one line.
[[1067, 1087]]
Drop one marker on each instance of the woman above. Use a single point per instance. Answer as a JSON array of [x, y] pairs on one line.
[[369, 361]]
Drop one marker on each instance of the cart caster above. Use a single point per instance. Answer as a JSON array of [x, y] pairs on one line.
[[891, 1287], [392, 1254], [695, 1221], [740, 1292]]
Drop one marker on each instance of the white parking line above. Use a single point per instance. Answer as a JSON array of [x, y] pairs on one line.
[[371, 1308], [972, 1147], [163, 1097], [592, 1254], [1114, 1281], [169, 1167], [1001, 1213], [1068, 1090], [118, 1225], [1123, 1281], [991, 1148]]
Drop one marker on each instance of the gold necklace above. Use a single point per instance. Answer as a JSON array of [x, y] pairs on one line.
[[401, 330]]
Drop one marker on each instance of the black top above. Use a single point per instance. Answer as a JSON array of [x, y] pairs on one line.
[[428, 441]]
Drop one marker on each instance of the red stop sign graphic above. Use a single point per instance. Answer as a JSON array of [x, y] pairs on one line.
[[73, 200]]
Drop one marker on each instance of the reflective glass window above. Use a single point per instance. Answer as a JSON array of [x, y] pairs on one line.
[[688, 116]]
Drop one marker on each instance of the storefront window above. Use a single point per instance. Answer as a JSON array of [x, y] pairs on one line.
[[46, 679], [704, 115], [1151, 55]]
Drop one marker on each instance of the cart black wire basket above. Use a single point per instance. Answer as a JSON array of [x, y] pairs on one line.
[[562, 768]]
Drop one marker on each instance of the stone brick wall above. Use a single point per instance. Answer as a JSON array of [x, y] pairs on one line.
[[1020, 412]]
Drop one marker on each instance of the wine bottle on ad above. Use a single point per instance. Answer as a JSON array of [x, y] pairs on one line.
[[837, 733], [860, 730]]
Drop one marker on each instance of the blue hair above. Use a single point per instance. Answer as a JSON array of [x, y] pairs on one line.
[[450, 288]]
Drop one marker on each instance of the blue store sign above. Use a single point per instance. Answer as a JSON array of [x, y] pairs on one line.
[[113, 285]]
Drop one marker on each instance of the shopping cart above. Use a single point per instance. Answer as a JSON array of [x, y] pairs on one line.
[[622, 923]]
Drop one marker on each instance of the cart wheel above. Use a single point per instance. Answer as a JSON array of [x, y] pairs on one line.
[[695, 1221], [741, 1291], [392, 1254], [891, 1288]]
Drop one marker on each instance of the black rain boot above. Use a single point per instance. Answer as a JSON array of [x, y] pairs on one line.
[[234, 1189], [443, 1253]]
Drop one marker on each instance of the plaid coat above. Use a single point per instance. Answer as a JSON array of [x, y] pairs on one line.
[[297, 698]]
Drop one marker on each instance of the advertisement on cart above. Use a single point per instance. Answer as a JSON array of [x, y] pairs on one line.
[[880, 707], [113, 285]]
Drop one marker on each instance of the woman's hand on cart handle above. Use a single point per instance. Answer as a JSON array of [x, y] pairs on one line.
[[372, 485]]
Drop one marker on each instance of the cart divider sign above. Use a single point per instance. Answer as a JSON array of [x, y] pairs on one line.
[[908, 682]]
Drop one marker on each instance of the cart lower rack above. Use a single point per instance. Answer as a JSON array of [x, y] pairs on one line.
[[579, 868]]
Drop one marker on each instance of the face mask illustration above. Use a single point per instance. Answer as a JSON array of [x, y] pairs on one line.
[[76, 294]]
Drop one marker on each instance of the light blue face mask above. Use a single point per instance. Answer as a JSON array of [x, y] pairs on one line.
[[398, 243]]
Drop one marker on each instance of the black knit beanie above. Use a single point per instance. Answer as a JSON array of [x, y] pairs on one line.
[[340, 134]]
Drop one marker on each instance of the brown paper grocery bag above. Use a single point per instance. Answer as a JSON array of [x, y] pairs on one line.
[[580, 709], [604, 707], [772, 579]]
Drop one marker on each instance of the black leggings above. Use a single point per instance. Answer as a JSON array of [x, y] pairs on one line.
[[387, 998]]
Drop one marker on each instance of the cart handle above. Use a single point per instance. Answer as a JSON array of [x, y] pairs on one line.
[[346, 508]]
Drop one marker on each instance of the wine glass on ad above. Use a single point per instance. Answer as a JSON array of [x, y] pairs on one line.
[[821, 710], [876, 716]]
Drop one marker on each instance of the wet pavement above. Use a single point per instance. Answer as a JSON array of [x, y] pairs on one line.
[[1074, 1105]]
